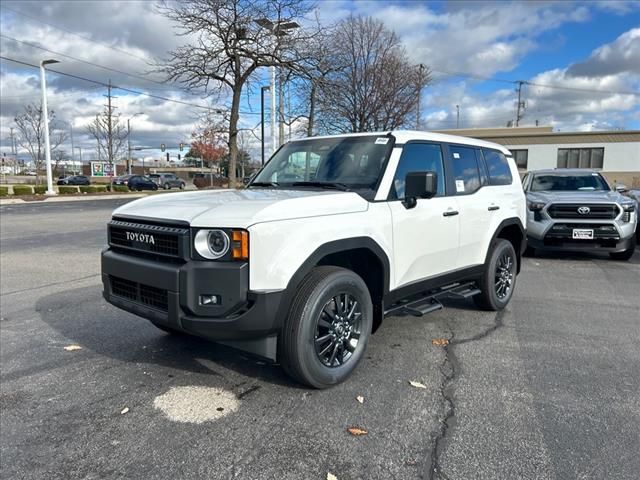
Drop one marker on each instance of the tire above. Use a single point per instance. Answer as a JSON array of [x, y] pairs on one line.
[[182, 186], [501, 266], [627, 254], [166, 186], [310, 351]]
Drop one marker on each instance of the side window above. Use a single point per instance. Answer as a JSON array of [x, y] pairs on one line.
[[465, 169], [498, 167], [418, 157]]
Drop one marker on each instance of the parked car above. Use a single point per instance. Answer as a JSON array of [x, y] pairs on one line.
[[167, 180], [74, 180], [576, 209], [122, 180], [140, 182], [304, 271], [208, 180], [634, 194]]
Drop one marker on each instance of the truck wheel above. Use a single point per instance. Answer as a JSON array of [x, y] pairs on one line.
[[627, 254], [499, 277], [327, 329], [167, 186]]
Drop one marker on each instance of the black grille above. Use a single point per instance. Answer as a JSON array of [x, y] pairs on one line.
[[571, 210], [158, 239], [138, 292], [565, 231]]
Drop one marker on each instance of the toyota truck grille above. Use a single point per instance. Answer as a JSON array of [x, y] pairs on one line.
[[584, 211], [163, 240]]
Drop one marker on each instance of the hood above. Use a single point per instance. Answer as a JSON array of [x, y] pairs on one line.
[[242, 208], [575, 197]]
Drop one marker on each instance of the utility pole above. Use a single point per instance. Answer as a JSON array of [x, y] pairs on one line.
[[110, 133], [457, 116], [280, 108], [420, 75], [262, 90], [520, 107], [13, 151], [272, 108]]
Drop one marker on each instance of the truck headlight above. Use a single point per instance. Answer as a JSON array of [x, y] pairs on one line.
[[627, 209], [535, 206], [211, 244]]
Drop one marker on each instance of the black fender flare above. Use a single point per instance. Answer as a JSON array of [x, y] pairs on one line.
[[322, 251], [523, 232]]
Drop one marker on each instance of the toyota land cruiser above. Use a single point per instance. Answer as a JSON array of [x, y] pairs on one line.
[[333, 235]]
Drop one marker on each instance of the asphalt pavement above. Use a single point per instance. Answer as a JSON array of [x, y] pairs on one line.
[[547, 389]]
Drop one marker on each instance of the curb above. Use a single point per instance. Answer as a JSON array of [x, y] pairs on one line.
[[19, 201]]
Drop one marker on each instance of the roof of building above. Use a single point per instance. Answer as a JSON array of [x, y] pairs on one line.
[[545, 135]]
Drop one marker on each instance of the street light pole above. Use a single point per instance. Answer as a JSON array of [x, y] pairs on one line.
[[262, 90], [45, 117], [129, 141]]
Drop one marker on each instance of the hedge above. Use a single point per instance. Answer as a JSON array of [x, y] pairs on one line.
[[4, 191], [120, 188], [93, 188], [39, 189], [22, 190], [66, 189]]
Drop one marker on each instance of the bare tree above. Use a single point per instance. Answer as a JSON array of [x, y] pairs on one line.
[[231, 40], [111, 142], [376, 87], [31, 133]]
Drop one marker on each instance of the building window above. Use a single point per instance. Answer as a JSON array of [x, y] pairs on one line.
[[521, 157], [580, 157]]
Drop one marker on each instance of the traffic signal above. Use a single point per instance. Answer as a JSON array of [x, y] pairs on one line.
[[167, 156], [181, 147], [163, 147], [178, 157]]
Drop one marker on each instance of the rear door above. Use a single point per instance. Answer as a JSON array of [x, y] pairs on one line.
[[475, 203], [425, 238]]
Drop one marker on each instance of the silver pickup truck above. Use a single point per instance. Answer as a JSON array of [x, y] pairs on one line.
[[576, 209]]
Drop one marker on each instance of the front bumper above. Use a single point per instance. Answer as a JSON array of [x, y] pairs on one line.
[[168, 294], [556, 234]]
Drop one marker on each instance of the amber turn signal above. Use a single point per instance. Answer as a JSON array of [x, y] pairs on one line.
[[240, 250]]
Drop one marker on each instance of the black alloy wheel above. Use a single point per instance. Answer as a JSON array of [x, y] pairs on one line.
[[338, 330], [498, 281], [505, 271]]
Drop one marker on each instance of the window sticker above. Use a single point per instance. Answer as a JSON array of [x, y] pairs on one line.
[[456, 155], [459, 184], [382, 140]]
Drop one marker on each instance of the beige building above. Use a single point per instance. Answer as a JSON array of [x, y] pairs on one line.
[[616, 153]]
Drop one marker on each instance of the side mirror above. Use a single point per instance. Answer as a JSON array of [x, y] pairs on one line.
[[419, 185], [621, 188]]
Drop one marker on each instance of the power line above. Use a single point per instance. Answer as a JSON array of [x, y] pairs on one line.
[[33, 45], [136, 92]]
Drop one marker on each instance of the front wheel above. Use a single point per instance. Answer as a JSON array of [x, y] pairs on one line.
[[328, 327], [182, 186], [167, 186], [626, 254], [499, 277]]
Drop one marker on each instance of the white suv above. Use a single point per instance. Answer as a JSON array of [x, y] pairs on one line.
[[334, 234]]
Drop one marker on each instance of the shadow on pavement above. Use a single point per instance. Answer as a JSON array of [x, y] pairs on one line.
[[85, 318]]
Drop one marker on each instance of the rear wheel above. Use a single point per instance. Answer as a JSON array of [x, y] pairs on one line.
[[167, 186], [327, 329], [499, 277], [182, 186], [627, 254]]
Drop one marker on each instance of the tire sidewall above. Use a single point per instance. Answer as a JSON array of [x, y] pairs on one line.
[[500, 249], [309, 363]]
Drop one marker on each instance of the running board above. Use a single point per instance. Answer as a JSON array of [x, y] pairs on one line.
[[428, 302]]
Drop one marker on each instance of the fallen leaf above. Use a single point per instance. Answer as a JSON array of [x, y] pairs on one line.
[[331, 476], [357, 431], [417, 384], [440, 342], [72, 348], [360, 398], [124, 410]]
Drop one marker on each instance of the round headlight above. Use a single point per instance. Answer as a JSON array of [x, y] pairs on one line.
[[211, 244]]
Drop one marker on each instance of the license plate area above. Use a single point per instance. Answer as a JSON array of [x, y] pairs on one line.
[[583, 234]]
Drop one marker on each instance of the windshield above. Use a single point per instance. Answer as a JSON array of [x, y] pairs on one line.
[[347, 163], [568, 183]]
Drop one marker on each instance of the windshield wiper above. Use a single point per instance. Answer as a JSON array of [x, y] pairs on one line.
[[333, 185], [264, 184]]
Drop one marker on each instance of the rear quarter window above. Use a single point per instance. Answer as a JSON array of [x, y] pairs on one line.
[[497, 167]]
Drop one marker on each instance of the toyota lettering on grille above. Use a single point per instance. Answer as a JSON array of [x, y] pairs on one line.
[[584, 210], [141, 237]]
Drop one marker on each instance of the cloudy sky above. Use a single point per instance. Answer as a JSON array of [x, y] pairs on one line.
[[581, 62]]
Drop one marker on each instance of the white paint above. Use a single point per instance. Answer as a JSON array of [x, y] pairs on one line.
[[196, 404]]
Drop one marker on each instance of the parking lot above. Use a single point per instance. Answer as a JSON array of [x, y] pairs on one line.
[[547, 389]]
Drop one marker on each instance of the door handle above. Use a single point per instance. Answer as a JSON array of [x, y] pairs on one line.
[[493, 207], [450, 213]]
